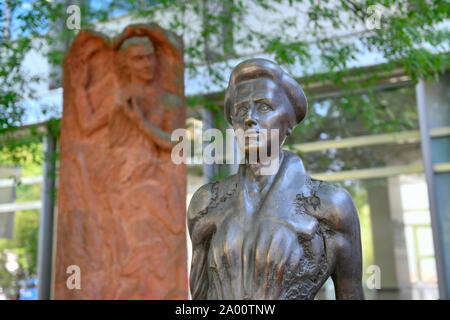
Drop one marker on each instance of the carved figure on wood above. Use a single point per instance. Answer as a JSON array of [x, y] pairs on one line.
[[117, 218]]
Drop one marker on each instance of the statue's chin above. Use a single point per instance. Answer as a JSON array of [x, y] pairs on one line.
[[258, 152], [141, 80], [146, 79]]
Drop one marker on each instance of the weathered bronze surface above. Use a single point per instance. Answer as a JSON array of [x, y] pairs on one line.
[[274, 236]]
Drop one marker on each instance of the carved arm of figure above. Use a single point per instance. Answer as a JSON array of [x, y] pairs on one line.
[[88, 120], [348, 264], [132, 111]]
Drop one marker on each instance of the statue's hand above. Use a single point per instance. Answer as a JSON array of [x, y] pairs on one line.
[[127, 105], [133, 110]]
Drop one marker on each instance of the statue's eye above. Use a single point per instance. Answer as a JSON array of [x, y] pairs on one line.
[[263, 107], [242, 111]]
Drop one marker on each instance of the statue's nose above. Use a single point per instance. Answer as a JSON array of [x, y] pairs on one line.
[[249, 120]]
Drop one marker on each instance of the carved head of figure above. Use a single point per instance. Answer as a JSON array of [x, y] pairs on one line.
[[260, 98], [137, 60]]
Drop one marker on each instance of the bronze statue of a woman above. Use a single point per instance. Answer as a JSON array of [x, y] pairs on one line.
[[277, 236]]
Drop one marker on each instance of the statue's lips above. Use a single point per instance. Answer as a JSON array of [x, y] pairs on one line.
[[252, 133], [254, 137]]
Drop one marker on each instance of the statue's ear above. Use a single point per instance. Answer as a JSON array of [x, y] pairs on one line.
[[288, 131]]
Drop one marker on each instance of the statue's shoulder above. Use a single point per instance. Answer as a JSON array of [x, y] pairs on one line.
[[336, 206], [209, 195], [200, 199], [331, 203]]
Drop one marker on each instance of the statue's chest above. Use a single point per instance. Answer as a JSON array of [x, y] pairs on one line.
[[283, 215], [238, 234], [271, 255]]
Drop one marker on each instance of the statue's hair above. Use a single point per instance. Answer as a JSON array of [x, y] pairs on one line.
[[137, 41], [262, 68]]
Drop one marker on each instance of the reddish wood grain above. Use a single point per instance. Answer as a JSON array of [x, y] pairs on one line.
[[121, 200]]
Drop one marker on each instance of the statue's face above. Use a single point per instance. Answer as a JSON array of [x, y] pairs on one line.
[[261, 104], [141, 62]]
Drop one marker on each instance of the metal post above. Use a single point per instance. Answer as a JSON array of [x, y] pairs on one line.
[[46, 218], [208, 123], [429, 175]]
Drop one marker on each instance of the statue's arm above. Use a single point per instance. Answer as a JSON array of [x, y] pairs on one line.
[[88, 121], [199, 277], [174, 117], [133, 112], [200, 229], [348, 264]]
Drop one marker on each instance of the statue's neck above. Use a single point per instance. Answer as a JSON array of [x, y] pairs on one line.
[[262, 174], [139, 82]]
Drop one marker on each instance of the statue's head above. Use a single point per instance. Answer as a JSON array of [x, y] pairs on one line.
[[260, 95], [138, 60]]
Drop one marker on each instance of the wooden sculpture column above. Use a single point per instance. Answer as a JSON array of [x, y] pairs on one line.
[[121, 200]]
